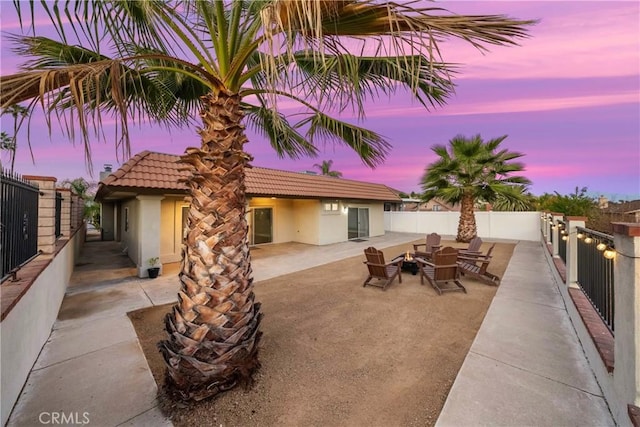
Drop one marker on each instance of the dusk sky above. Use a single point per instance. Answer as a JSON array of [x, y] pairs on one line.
[[568, 98]]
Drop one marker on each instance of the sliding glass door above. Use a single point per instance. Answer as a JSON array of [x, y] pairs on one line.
[[358, 223], [260, 225]]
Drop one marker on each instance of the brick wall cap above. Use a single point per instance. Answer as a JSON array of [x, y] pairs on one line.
[[39, 178], [63, 189], [631, 229]]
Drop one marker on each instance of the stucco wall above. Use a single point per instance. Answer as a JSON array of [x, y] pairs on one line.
[[129, 233], [332, 226], [496, 225], [376, 219], [306, 221], [27, 326], [284, 229]]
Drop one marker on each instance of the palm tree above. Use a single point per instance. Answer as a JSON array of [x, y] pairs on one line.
[[325, 169], [19, 113], [469, 170], [524, 200], [232, 61], [7, 144], [86, 191]]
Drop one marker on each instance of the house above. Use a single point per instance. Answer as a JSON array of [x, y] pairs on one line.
[[414, 204], [143, 207], [433, 205], [620, 211]]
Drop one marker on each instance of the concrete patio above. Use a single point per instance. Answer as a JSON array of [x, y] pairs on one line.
[[525, 367]]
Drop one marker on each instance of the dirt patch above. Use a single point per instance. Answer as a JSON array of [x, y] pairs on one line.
[[335, 353]]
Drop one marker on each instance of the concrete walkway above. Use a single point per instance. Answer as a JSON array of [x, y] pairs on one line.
[[525, 367]]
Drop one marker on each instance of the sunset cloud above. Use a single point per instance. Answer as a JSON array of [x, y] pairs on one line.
[[568, 98]]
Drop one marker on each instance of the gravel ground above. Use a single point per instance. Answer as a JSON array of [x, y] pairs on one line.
[[337, 354]]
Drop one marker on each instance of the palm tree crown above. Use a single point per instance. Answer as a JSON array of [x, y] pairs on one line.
[[325, 169], [470, 169], [230, 63]]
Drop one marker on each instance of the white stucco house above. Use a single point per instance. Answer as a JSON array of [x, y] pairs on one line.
[[143, 207]]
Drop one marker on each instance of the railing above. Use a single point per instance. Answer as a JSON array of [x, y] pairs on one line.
[[19, 221], [595, 271], [563, 235], [58, 222]]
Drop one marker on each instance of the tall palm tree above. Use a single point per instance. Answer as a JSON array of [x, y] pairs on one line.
[[470, 169], [19, 113], [325, 169], [232, 61]]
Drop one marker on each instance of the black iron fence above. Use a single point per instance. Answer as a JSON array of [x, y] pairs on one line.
[[18, 221], [595, 271], [58, 214], [563, 235]]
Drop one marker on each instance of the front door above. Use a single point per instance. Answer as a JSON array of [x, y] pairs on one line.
[[358, 223]]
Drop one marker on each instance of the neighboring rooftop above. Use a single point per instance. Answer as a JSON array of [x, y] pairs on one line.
[[159, 172]]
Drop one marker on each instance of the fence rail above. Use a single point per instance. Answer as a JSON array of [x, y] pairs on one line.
[[58, 219], [19, 221], [595, 271], [563, 235]]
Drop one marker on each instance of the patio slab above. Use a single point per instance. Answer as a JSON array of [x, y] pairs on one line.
[[152, 418], [536, 338], [83, 338], [114, 300], [109, 386], [533, 291], [526, 365], [493, 393], [162, 290]]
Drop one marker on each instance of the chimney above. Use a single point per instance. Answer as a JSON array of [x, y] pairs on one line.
[[106, 172]]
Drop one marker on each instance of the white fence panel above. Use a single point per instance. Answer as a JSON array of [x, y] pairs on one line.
[[491, 225]]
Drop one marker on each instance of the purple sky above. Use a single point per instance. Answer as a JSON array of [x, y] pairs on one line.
[[568, 97]]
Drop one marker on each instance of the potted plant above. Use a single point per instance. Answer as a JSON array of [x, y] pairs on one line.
[[154, 267]]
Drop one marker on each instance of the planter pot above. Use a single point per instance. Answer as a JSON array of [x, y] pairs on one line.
[[153, 272]]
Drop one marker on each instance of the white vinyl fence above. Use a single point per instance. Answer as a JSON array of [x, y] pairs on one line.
[[491, 225]]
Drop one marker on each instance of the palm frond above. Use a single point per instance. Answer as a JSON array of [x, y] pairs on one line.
[[394, 29], [284, 138], [348, 79], [77, 86], [370, 146]]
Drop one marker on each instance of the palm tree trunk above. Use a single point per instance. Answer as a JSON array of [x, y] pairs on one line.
[[213, 329], [14, 142], [467, 225]]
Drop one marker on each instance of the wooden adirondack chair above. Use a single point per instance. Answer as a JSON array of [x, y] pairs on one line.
[[380, 270], [476, 266], [443, 273], [473, 248], [431, 245]]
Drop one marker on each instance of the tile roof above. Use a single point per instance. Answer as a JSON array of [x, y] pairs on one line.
[[158, 171]]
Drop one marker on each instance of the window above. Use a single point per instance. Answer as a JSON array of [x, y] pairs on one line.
[[436, 208], [126, 219], [331, 206]]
